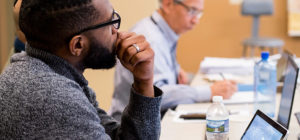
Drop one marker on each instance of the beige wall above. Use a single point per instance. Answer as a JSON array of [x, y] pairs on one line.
[[101, 81], [132, 11], [222, 29], [6, 31]]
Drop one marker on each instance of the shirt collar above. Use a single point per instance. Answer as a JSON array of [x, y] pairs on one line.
[[165, 28], [58, 64]]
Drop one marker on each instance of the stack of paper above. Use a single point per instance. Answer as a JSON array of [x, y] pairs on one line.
[[215, 65]]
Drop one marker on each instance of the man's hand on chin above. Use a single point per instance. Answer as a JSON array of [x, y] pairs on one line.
[[135, 54]]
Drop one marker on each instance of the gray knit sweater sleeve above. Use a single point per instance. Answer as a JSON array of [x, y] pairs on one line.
[[140, 119], [43, 97]]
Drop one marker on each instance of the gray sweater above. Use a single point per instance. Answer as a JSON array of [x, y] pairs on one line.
[[44, 97]]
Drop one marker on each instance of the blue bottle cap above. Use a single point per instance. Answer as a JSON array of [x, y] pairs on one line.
[[264, 55]]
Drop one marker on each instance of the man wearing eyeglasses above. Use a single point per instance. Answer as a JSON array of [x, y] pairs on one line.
[[43, 93], [162, 30]]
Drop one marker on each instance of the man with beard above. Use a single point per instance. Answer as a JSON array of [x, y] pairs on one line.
[[43, 94]]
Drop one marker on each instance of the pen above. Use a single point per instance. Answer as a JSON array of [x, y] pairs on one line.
[[223, 77]]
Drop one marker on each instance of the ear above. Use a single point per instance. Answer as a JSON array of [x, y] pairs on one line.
[[77, 45], [166, 5]]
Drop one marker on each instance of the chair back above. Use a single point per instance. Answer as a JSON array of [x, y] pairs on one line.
[[257, 7]]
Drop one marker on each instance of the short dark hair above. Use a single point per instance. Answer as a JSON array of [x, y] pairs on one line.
[[47, 24]]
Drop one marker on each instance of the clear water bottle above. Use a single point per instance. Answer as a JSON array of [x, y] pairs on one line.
[[265, 85], [217, 120]]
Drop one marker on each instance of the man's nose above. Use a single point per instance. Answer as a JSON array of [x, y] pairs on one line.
[[195, 20]]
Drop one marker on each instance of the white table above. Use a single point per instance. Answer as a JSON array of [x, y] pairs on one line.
[[176, 129]]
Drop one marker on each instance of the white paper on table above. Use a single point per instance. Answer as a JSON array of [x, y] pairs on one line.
[[245, 97], [240, 98]]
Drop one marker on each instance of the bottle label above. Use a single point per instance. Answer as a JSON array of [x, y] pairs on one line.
[[217, 126], [264, 75]]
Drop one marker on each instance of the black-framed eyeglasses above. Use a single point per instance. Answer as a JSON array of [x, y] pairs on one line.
[[192, 11], [115, 21]]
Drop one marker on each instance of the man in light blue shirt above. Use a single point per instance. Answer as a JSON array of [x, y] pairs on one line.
[[162, 30]]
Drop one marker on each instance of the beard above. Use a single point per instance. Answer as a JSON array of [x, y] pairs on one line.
[[99, 56]]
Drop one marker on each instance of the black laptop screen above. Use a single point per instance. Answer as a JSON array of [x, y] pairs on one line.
[[288, 92]]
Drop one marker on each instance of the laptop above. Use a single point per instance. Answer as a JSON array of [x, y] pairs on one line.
[[288, 92], [263, 127], [282, 64]]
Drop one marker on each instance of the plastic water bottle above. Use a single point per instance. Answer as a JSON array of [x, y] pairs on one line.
[[265, 85], [217, 120]]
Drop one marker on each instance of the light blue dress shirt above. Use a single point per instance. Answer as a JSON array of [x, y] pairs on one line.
[[163, 41]]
